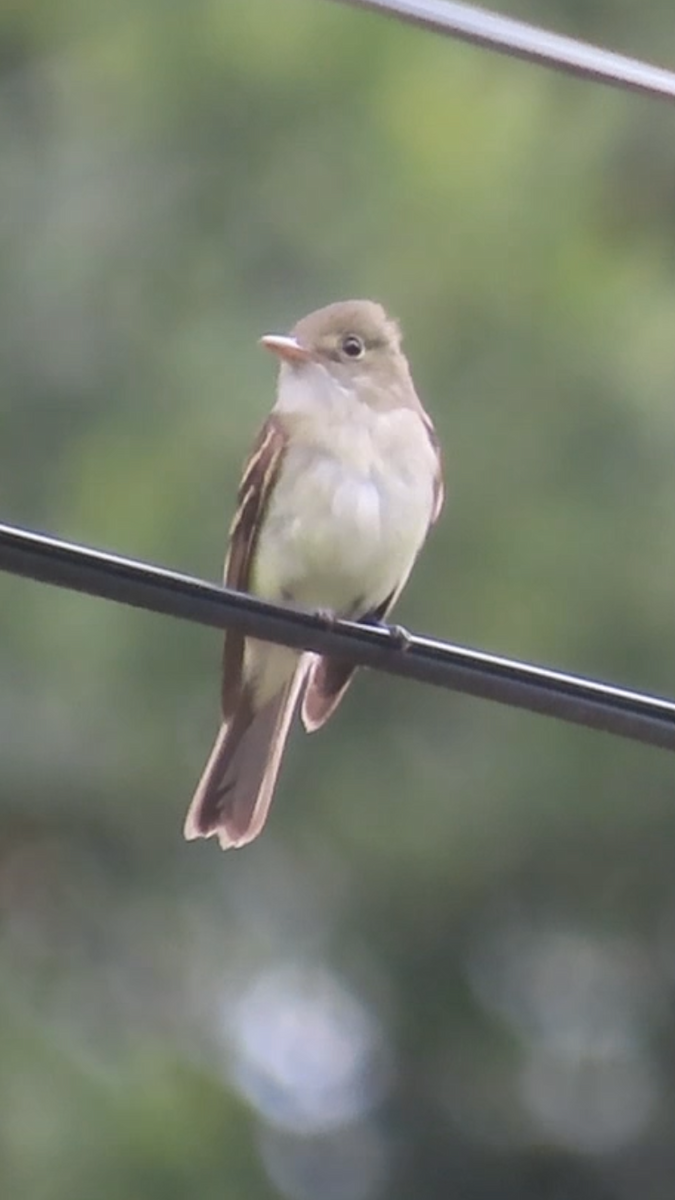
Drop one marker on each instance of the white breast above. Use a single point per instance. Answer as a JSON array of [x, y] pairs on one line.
[[351, 507]]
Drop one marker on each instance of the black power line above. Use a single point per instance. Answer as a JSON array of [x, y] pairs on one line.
[[517, 38], [568, 697]]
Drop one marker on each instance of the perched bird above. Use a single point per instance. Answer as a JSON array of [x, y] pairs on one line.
[[335, 502]]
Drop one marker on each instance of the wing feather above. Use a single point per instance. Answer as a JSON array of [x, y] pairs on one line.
[[439, 490], [329, 678], [258, 479]]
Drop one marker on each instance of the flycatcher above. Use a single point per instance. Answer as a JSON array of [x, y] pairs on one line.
[[334, 505]]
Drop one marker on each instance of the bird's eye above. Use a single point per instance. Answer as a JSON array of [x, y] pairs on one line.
[[353, 346]]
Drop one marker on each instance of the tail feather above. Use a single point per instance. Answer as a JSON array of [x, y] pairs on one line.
[[327, 683], [329, 678], [234, 794]]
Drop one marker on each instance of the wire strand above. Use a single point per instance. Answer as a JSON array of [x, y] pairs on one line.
[[570, 698], [521, 40]]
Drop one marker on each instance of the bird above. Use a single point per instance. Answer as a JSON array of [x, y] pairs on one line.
[[336, 499]]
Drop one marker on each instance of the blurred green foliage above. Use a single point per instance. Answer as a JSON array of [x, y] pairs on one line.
[[448, 967]]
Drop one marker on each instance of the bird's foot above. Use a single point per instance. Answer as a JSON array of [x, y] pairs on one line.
[[327, 615], [399, 637]]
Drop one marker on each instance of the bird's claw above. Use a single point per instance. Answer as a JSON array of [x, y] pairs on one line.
[[326, 615], [399, 637]]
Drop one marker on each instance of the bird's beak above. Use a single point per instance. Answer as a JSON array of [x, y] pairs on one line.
[[288, 348]]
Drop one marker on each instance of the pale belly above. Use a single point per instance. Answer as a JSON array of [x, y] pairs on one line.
[[345, 525]]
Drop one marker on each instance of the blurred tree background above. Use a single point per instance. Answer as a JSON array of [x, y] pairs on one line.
[[448, 966]]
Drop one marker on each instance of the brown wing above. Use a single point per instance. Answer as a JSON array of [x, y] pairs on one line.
[[329, 678], [439, 490], [260, 473]]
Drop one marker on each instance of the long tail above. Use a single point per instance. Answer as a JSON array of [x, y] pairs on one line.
[[234, 794]]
